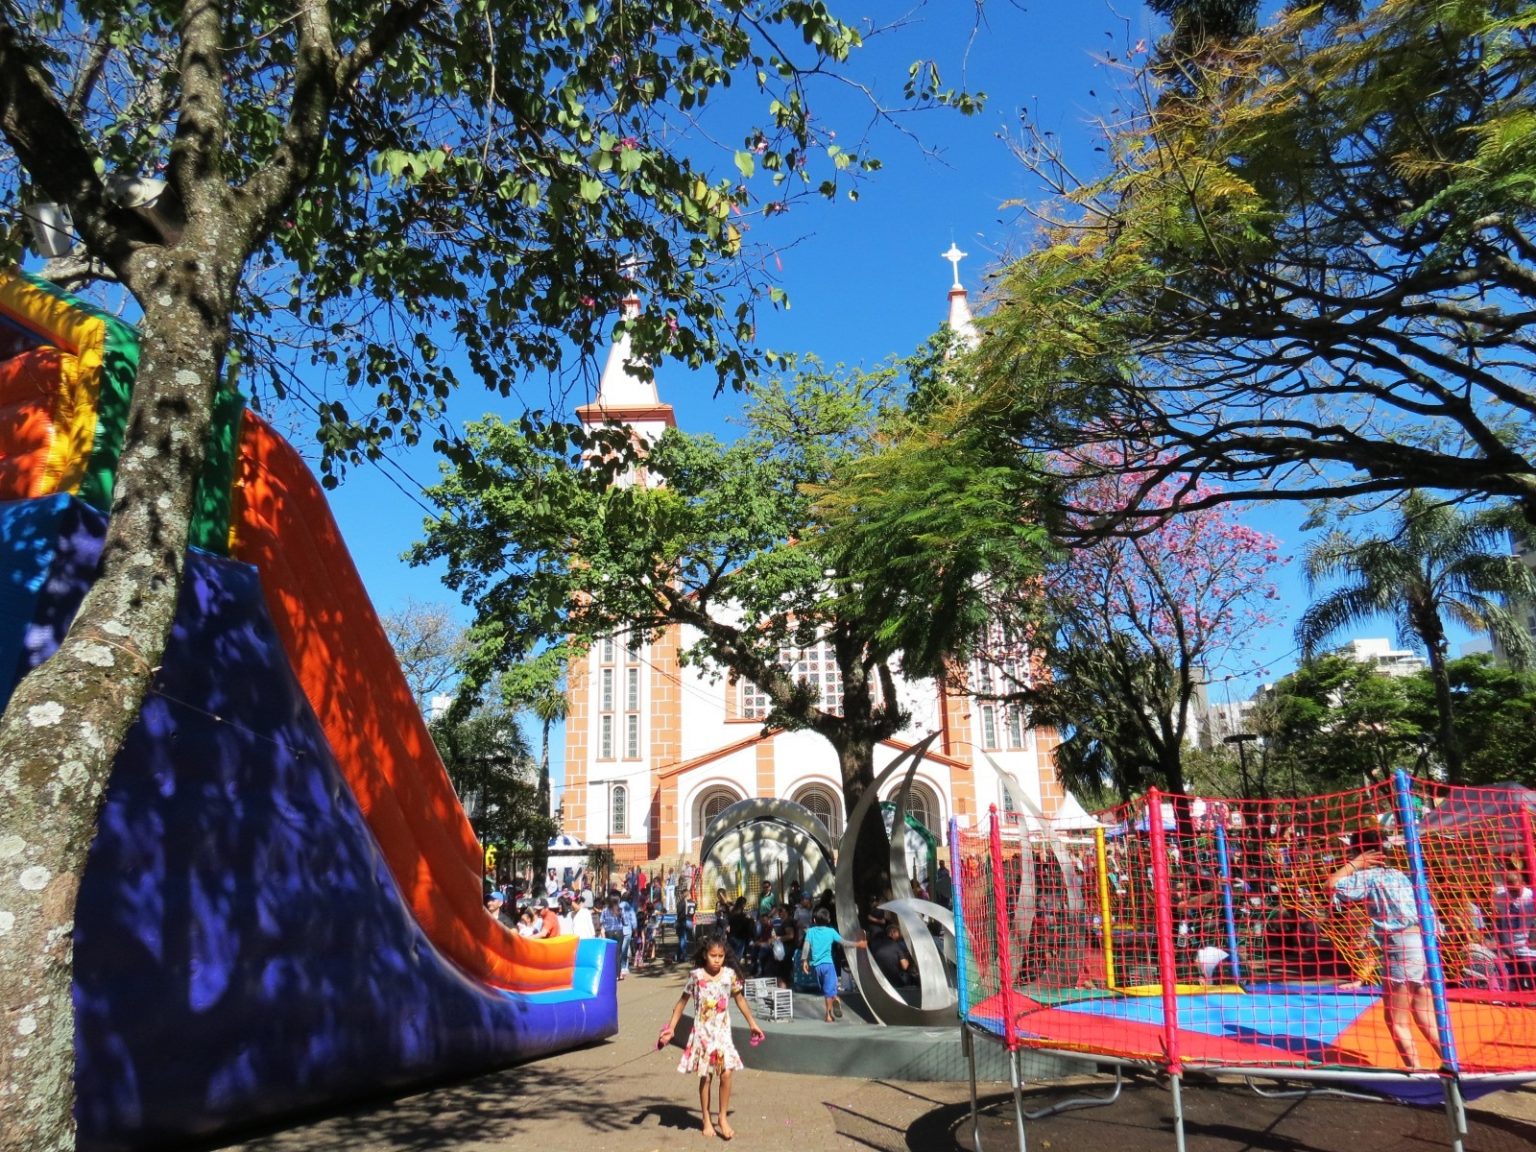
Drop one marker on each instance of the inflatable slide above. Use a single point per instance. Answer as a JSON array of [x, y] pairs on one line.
[[282, 907]]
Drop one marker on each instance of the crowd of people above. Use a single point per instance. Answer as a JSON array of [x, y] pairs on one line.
[[632, 912], [768, 935]]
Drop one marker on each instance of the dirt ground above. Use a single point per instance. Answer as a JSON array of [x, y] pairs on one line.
[[624, 1096]]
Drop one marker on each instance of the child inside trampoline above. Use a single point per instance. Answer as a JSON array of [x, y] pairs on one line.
[[1388, 899]]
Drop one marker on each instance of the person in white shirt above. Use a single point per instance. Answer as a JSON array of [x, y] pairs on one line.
[[581, 925]]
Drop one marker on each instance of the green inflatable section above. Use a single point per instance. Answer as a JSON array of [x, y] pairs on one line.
[[120, 367]]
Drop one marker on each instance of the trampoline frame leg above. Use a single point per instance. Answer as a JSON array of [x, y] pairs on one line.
[[1082, 1101], [968, 1043], [1305, 1093], [1455, 1112], [1176, 1086], [1018, 1098]]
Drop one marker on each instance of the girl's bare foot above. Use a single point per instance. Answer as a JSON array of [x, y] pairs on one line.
[[725, 1129], [709, 1129]]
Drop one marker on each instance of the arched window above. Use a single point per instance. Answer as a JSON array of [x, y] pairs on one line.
[[824, 804], [618, 810], [711, 802], [923, 803], [1007, 809]]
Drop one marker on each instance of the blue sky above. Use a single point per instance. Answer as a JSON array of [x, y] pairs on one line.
[[866, 279]]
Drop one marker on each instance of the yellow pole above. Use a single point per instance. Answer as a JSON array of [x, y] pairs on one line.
[[1106, 914]]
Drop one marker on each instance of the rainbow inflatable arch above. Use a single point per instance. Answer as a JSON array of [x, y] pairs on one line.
[[282, 908]]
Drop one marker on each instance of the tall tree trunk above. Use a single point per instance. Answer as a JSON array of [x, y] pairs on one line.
[[541, 850], [67, 720], [1427, 624], [871, 854]]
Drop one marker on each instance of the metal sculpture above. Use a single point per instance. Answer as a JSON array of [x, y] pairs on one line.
[[936, 999], [1064, 951], [747, 823]]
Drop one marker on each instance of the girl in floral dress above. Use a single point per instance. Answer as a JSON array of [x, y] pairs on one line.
[[712, 985]]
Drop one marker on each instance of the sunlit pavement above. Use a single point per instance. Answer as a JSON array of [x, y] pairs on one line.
[[625, 1096]]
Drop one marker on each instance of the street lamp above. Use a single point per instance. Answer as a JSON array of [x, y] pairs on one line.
[[1242, 739]]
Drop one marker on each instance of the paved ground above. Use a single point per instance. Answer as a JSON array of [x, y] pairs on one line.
[[624, 1096]]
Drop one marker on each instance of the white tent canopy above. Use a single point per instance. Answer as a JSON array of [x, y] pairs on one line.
[[1071, 816]]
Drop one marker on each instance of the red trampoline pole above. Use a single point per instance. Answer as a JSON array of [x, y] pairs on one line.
[[1162, 895], [1166, 969], [1530, 846], [1004, 953]]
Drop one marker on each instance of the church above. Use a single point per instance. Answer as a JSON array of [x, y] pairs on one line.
[[654, 750]]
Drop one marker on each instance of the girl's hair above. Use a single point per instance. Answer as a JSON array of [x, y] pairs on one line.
[[1367, 840], [707, 944]]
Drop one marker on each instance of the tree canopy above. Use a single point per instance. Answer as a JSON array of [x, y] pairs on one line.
[[494, 774], [1307, 269], [727, 542], [357, 184], [1433, 563], [430, 646], [397, 180], [1495, 716], [1128, 628], [1337, 723]]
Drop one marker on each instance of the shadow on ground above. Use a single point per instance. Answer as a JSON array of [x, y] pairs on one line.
[[1217, 1118], [483, 1109]]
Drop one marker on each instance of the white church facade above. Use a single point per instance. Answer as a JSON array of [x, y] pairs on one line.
[[654, 749]]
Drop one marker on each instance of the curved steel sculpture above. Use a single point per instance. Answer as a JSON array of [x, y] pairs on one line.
[[1064, 951], [798, 829], [936, 995], [766, 808]]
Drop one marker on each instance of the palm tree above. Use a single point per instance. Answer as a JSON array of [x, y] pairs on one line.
[[1439, 562], [538, 686]]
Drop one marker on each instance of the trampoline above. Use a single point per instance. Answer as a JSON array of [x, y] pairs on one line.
[[1040, 972]]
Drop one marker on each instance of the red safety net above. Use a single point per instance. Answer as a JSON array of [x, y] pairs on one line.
[[1389, 928]]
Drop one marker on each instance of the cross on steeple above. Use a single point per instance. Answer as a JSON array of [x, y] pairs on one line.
[[954, 256]]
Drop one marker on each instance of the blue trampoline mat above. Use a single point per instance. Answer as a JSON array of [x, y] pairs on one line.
[[1318, 1015]]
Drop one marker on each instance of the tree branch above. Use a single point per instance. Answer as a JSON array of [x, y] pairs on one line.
[[50, 148]]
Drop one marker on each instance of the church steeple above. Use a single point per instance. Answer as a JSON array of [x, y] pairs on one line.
[[960, 320], [622, 395]]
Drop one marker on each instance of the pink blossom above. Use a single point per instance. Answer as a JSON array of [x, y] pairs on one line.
[[1195, 581]]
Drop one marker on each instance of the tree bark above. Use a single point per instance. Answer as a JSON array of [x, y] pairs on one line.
[[871, 853], [541, 850], [1427, 624], [61, 733]]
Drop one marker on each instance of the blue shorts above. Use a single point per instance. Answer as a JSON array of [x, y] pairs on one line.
[[827, 975]]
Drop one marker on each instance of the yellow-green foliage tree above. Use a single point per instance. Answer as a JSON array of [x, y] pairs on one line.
[[1308, 268]]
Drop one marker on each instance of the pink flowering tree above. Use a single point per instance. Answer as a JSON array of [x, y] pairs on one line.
[[1128, 626]]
